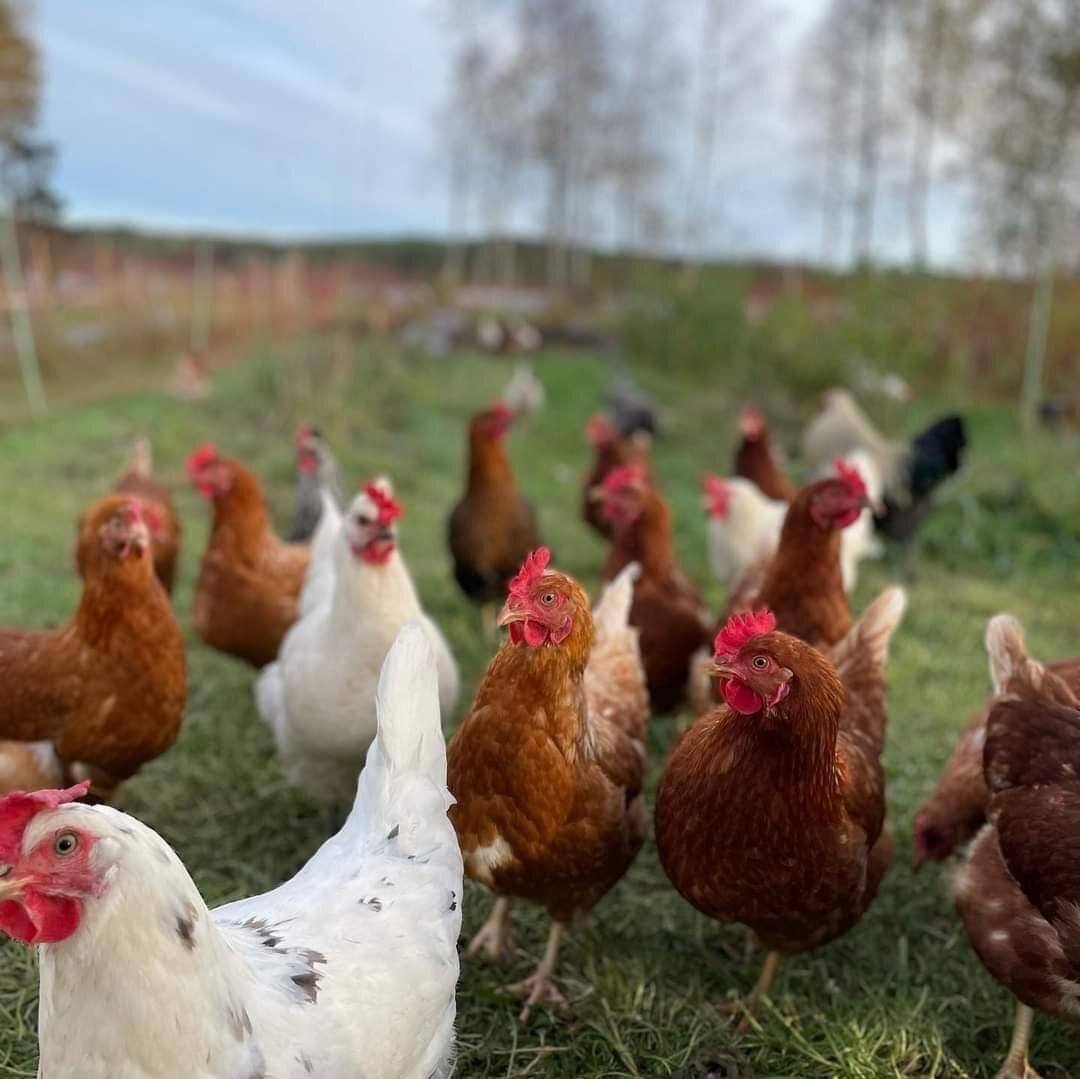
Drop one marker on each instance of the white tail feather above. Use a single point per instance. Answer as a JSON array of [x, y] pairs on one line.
[[1007, 650], [872, 634], [612, 610], [407, 701]]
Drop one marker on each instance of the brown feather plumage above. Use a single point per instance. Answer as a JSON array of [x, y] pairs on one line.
[[547, 779], [667, 610], [956, 808], [1018, 892], [249, 583], [492, 528], [754, 460], [776, 819], [109, 687]]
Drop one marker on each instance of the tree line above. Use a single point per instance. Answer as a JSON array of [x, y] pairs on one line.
[[589, 121]]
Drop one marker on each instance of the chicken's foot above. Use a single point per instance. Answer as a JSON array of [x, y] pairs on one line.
[[494, 935], [749, 1005], [1016, 1064], [540, 987]]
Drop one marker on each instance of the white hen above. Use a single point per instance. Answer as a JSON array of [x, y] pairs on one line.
[[318, 698], [319, 580], [346, 971]]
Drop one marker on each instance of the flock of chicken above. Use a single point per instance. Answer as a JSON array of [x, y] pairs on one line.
[[770, 811]]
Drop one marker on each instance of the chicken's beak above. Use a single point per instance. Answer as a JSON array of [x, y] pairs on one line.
[[11, 887], [719, 669], [596, 494], [875, 505], [508, 614]]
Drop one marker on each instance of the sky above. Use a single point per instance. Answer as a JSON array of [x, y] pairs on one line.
[[297, 118]]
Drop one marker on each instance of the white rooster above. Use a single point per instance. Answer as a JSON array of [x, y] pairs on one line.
[[318, 697], [346, 971]]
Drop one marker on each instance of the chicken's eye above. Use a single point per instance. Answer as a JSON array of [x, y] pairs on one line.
[[363, 522], [66, 843], [547, 599], [760, 663]]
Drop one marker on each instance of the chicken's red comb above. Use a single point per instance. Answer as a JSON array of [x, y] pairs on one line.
[[752, 422], [531, 569], [19, 808], [851, 476], [387, 507], [623, 476], [303, 433], [503, 410], [741, 628], [599, 431], [205, 455], [718, 492]]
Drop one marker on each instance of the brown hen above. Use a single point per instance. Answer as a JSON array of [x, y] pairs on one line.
[[668, 612], [492, 528], [547, 767], [250, 580], [158, 510], [108, 688], [612, 451], [1018, 893], [771, 810], [754, 458], [956, 808]]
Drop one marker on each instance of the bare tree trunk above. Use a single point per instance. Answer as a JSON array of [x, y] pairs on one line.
[[697, 199], [1038, 334], [457, 219], [931, 59], [869, 130]]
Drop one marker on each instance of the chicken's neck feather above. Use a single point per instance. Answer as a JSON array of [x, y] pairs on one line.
[[647, 540], [489, 467], [373, 591], [548, 682], [241, 521]]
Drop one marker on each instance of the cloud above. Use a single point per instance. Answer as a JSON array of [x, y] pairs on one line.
[[111, 65]]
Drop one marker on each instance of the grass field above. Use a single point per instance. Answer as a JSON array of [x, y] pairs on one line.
[[900, 995]]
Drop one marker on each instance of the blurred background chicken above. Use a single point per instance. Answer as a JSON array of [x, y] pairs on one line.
[[250, 580], [910, 472], [668, 612], [492, 527], [352, 960], [755, 459], [318, 697], [524, 393], [612, 450], [317, 475], [158, 511], [632, 410], [107, 690]]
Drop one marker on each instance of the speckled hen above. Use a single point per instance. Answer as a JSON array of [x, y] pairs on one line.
[[347, 970]]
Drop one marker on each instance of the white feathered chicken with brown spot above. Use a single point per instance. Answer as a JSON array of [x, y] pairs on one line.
[[347, 971]]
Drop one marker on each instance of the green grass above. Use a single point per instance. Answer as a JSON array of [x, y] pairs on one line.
[[902, 994]]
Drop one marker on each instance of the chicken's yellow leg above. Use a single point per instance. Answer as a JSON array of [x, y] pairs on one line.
[[1016, 1063]]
